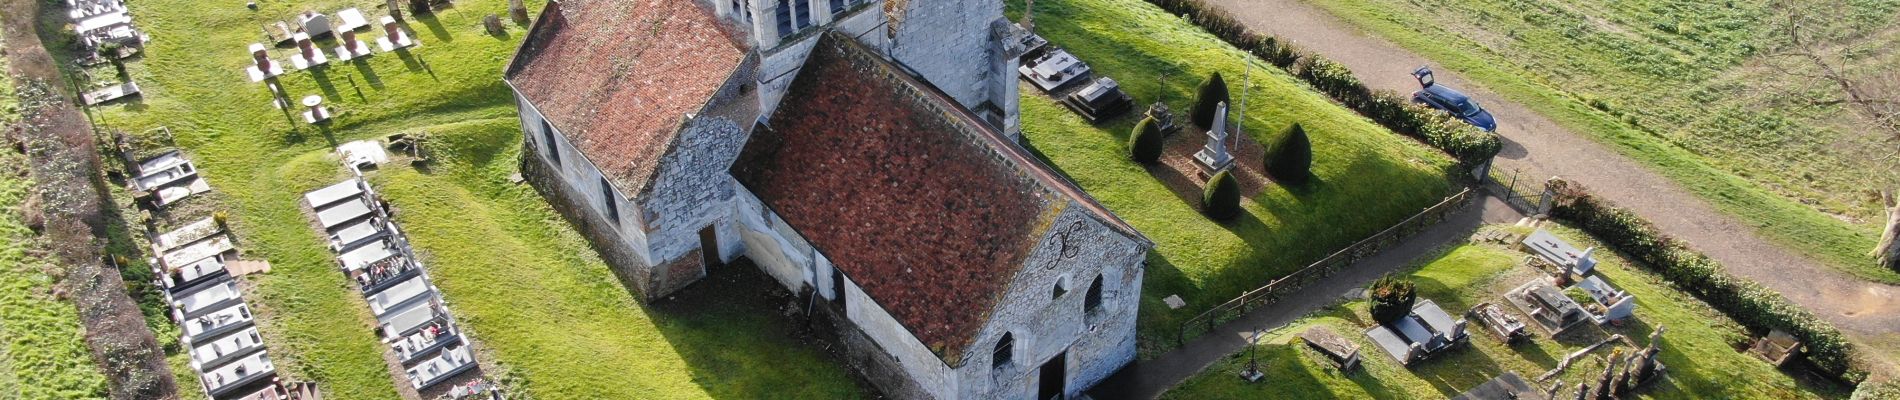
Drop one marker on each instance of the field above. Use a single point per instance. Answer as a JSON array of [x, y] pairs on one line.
[[1367, 178], [1702, 92], [551, 319], [1696, 343]]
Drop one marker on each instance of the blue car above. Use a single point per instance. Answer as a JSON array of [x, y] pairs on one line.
[[1458, 104]]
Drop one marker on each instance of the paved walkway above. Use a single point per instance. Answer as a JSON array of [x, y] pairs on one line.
[[1150, 378], [1868, 312]]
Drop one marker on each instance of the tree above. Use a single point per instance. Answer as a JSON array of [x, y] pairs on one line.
[[1873, 95], [1145, 143], [1391, 298], [1221, 198], [1291, 160], [1887, 252], [1207, 100]]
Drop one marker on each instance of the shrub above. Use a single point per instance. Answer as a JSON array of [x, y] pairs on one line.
[[223, 220], [1213, 91], [1888, 390], [1145, 143], [1391, 297], [1221, 198], [1291, 160], [1751, 305], [1334, 80]]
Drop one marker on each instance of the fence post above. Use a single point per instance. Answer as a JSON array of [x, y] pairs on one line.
[[1543, 205]]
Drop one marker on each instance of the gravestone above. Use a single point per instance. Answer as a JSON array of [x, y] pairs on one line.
[[1213, 157], [315, 24], [518, 11], [395, 9], [493, 24], [420, 7]]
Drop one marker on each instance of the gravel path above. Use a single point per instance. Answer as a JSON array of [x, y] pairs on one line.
[[1869, 312]]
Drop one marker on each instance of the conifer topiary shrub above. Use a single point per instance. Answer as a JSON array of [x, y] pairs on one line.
[[1391, 298], [1291, 160], [1221, 199], [1145, 142], [1207, 100]]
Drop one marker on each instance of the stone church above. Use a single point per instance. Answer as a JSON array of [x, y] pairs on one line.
[[863, 153]]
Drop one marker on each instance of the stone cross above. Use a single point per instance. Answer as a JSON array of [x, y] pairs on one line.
[[1213, 157]]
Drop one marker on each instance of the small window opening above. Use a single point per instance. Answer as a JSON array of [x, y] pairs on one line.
[[607, 197], [1005, 348], [1094, 299]]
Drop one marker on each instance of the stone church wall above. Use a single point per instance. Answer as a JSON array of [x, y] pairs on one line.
[[1096, 343]]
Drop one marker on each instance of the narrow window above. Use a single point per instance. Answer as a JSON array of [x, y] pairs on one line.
[[1005, 348], [837, 6], [1094, 299], [837, 287], [804, 14], [784, 18], [607, 197], [1062, 287], [547, 141]]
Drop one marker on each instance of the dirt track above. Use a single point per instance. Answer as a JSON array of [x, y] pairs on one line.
[[1869, 312]]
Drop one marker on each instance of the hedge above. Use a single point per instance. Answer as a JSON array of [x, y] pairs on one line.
[[1145, 143], [1221, 198], [1290, 161], [1207, 100], [1471, 146], [1755, 307]]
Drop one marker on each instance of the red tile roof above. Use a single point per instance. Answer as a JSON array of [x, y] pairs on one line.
[[617, 77], [920, 204]]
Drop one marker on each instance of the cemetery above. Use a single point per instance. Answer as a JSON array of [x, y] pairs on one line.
[[1673, 347], [1364, 177]]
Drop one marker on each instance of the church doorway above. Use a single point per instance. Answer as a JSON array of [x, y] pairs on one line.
[[709, 245], [1054, 377]]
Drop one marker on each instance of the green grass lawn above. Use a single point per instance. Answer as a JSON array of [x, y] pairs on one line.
[[1696, 345], [1367, 178], [1683, 88], [552, 320]]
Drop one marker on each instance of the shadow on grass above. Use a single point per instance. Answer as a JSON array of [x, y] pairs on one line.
[[738, 303], [322, 76], [434, 23], [369, 73]]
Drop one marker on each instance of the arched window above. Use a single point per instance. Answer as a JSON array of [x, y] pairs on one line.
[[1094, 299], [1062, 287], [608, 197], [1005, 348], [547, 140]]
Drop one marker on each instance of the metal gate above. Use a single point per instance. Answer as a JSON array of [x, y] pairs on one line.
[[1525, 194]]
